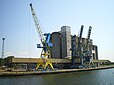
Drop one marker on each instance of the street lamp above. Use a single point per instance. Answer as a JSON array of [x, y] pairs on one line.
[[3, 47]]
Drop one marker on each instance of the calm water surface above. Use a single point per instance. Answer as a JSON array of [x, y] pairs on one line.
[[98, 77]]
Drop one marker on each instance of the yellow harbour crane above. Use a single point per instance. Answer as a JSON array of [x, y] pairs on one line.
[[45, 40]]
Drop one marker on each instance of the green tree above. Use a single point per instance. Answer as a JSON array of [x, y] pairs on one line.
[[7, 61]]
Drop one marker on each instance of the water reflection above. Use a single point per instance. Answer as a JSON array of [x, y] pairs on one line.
[[98, 77]]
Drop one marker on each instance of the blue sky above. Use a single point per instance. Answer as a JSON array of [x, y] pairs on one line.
[[17, 26]]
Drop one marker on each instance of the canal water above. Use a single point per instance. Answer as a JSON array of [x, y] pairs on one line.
[[97, 77]]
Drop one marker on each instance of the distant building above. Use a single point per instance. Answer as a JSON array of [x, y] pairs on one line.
[[62, 44]]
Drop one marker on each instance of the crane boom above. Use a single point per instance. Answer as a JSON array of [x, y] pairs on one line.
[[88, 39], [89, 32], [37, 24], [79, 40]]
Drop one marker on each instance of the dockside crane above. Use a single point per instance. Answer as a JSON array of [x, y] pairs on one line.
[[45, 54], [87, 58], [77, 52]]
